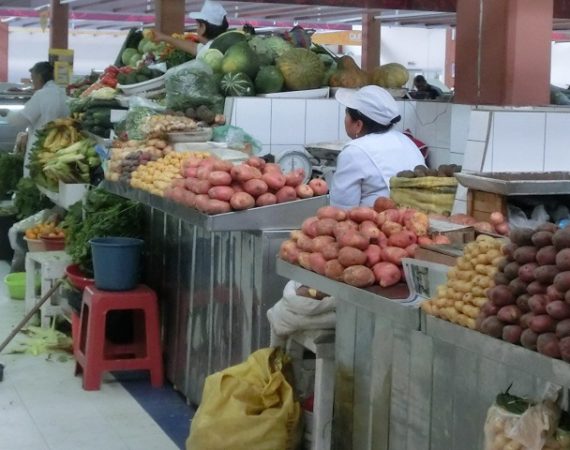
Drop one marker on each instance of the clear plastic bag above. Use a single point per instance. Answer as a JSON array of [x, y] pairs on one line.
[[518, 218], [193, 84], [237, 139], [139, 110]]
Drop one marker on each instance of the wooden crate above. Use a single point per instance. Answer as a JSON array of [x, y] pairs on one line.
[[481, 204]]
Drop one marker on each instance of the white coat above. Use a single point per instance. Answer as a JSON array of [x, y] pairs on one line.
[[365, 166]]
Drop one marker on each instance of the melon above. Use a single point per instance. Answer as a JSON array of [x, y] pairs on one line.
[[392, 75], [228, 39], [237, 85], [302, 69], [240, 58], [268, 80]]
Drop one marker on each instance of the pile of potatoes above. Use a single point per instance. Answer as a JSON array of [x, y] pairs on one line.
[[497, 223], [361, 247], [215, 186], [530, 304], [462, 297], [422, 171]]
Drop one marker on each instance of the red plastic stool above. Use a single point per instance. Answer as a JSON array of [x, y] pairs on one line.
[[95, 354], [75, 322]]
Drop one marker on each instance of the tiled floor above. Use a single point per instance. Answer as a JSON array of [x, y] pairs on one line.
[[43, 406]]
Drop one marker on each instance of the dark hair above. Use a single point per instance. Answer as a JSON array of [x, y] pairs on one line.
[[248, 29], [420, 78], [213, 31], [370, 126], [44, 70]]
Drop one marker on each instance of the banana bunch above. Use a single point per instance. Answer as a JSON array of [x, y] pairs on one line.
[[72, 164]]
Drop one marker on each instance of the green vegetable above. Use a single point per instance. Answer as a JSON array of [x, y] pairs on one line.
[[11, 170], [278, 45], [213, 58], [226, 40], [512, 403], [302, 69], [128, 55], [177, 57], [240, 58], [237, 85], [29, 200], [268, 80], [103, 215], [264, 52]]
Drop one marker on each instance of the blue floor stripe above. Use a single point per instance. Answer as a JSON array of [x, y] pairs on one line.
[[166, 406]]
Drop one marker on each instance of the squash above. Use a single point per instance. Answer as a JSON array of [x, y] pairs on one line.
[[391, 76], [302, 69], [348, 74]]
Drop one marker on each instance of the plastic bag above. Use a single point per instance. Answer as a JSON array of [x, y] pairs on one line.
[[237, 139], [250, 406], [193, 84], [518, 218], [139, 109]]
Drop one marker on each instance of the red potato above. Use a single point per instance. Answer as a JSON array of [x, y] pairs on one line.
[[489, 309], [402, 239], [553, 294], [424, 240], [548, 345], [387, 274], [561, 239], [317, 262], [522, 303], [319, 186], [441, 239], [545, 274], [331, 212], [564, 347], [344, 226], [358, 276], [222, 165], [201, 187], [289, 252], [178, 183], [497, 218], [241, 201], [512, 334], [394, 255], [384, 203], [309, 226], [390, 228], [219, 178], [266, 199], [416, 222], [542, 239], [368, 228], [255, 187], [256, 162], [321, 242], [407, 214], [305, 243], [243, 172], [304, 191], [191, 172], [519, 287], [509, 314], [272, 167], [548, 226], [191, 161], [330, 251], [562, 281], [354, 239], [525, 320], [526, 254], [563, 260], [361, 214], [189, 183], [563, 328], [546, 256], [508, 251], [566, 296], [334, 270], [502, 229], [501, 296], [492, 326], [373, 255], [529, 339], [295, 178], [237, 187], [350, 256], [177, 194], [388, 215], [558, 310], [537, 303], [203, 172], [286, 194], [295, 235], [189, 199], [501, 278], [542, 323], [526, 272], [382, 240], [535, 287], [325, 227], [202, 202], [304, 260], [512, 270], [411, 250], [217, 207]]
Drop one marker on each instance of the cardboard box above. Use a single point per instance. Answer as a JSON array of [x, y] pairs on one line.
[[440, 254]]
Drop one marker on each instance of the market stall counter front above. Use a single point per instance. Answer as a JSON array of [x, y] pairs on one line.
[[216, 279]]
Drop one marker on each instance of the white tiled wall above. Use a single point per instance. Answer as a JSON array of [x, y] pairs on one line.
[[557, 150], [322, 120], [287, 121]]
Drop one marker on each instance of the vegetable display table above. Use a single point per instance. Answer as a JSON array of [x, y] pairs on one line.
[[215, 278]]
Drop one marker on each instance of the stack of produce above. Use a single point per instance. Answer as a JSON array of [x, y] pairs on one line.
[[497, 223], [214, 186], [531, 303], [97, 120], [361, 247], [134, 76], [49, 229], [62, 153], [159, 125], [444, 170], [157, 176], [462, 297], [127, 156], [347, 74]]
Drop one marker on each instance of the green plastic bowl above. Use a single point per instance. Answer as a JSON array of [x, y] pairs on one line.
[[16, 283]]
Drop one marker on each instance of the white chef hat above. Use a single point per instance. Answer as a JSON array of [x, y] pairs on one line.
[[371, 101], [211, 12]]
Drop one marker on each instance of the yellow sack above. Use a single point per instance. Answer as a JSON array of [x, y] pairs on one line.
[[428, 194], [250, 406]]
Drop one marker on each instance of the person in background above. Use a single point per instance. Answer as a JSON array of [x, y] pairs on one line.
[[211, 21], [48, 103], [377, 151], [429, 91]]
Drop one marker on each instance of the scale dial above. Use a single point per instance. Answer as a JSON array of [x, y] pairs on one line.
[[290, 160]]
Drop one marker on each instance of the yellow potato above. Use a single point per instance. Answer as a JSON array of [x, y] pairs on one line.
[[471, 311], [441, 302], [480, 301], [468, 297], [513, 445], [459, 305], [500, 441], [471, 323], [483, 259]]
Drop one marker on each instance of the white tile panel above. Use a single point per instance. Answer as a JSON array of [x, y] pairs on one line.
[[479, 125], [410, 117], [459, 207], [437, 157], [443, 125], [461, 193], [474, 154], [460, 117], [253, 115], [456, 158], [518, 141], [427, 117], [342, 136], [557, 149], [288, 120], [322, 123]]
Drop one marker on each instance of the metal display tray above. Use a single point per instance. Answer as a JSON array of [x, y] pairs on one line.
[[284, 216], [517, 183]]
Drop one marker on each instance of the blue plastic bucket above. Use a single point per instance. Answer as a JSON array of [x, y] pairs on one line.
[[116, 262]]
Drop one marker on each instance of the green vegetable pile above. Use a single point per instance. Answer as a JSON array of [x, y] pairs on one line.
[[11, 171], [102, 215], [29, 200]]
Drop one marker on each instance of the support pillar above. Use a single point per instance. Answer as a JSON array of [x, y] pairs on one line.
[[170, 15], [450, 39], [4, 36], [59, 25], [503, 52], [370, 41]]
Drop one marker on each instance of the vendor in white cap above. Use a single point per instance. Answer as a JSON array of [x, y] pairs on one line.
[[377, 151], [211, 21]]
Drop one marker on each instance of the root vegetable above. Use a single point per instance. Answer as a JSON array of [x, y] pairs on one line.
[[411, 250], [497, 218], [217, 207], [387, 274], [564, 347], [546, 256], [304, 260], [266, 199], [325, 227], [354, 239], [484, 227], [295, 178], [243, 172], [369, 229], [501, 279], [563, 260], [289, 252], [558, 310], [526, 272], [295, 235], [255, 187], [304, 191], [241, 201], [236, 186], [383, 203], [321, 242], [219, 178], [424, 240], [522, 236], [522, 303], [525, 320], [331, 212], [542, 323], [361, 214], [309, 226], [256, 162], [373, 255], [561, 239], [222, 165], [529, 339], [334, 269], [305, 243], [390, 228], [394, 255], [537, 303], [502, 228], [203, 172], [501, 296], [330, 251], [417, 223], [319, 186], [553, 294], [388, 215], [512, 270], [492, 326], [542, 239], [526, 254], [201, 187], [286, 194], [518, 287], [402, 239], [489, 309], [201, 202], [272, 168], [509, 250], [274, 180], [563, 328], [317, 262], [509, 314], [512, 334], [191, 172], [223, 193], [350, 256], [536, 287], [358, 276], [189, 199], [562, 281], [545, 274], [441, 239], [343, 227], [548, 345]]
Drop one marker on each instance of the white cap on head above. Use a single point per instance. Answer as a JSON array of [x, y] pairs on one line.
[[211, 12], [372, 101]]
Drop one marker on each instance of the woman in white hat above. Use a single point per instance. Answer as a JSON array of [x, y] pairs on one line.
[[377, 151], [211, 21]]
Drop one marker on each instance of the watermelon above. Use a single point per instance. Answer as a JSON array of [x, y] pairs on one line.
[[213, 58], [302, 69], [268, 80], [240, 58], [237, 85], [226, 40]]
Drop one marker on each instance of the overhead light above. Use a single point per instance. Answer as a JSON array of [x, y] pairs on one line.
[[7, 19], [65, 2], [39, 8]]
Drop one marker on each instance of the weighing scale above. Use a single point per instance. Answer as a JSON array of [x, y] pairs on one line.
[[323, 158]]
